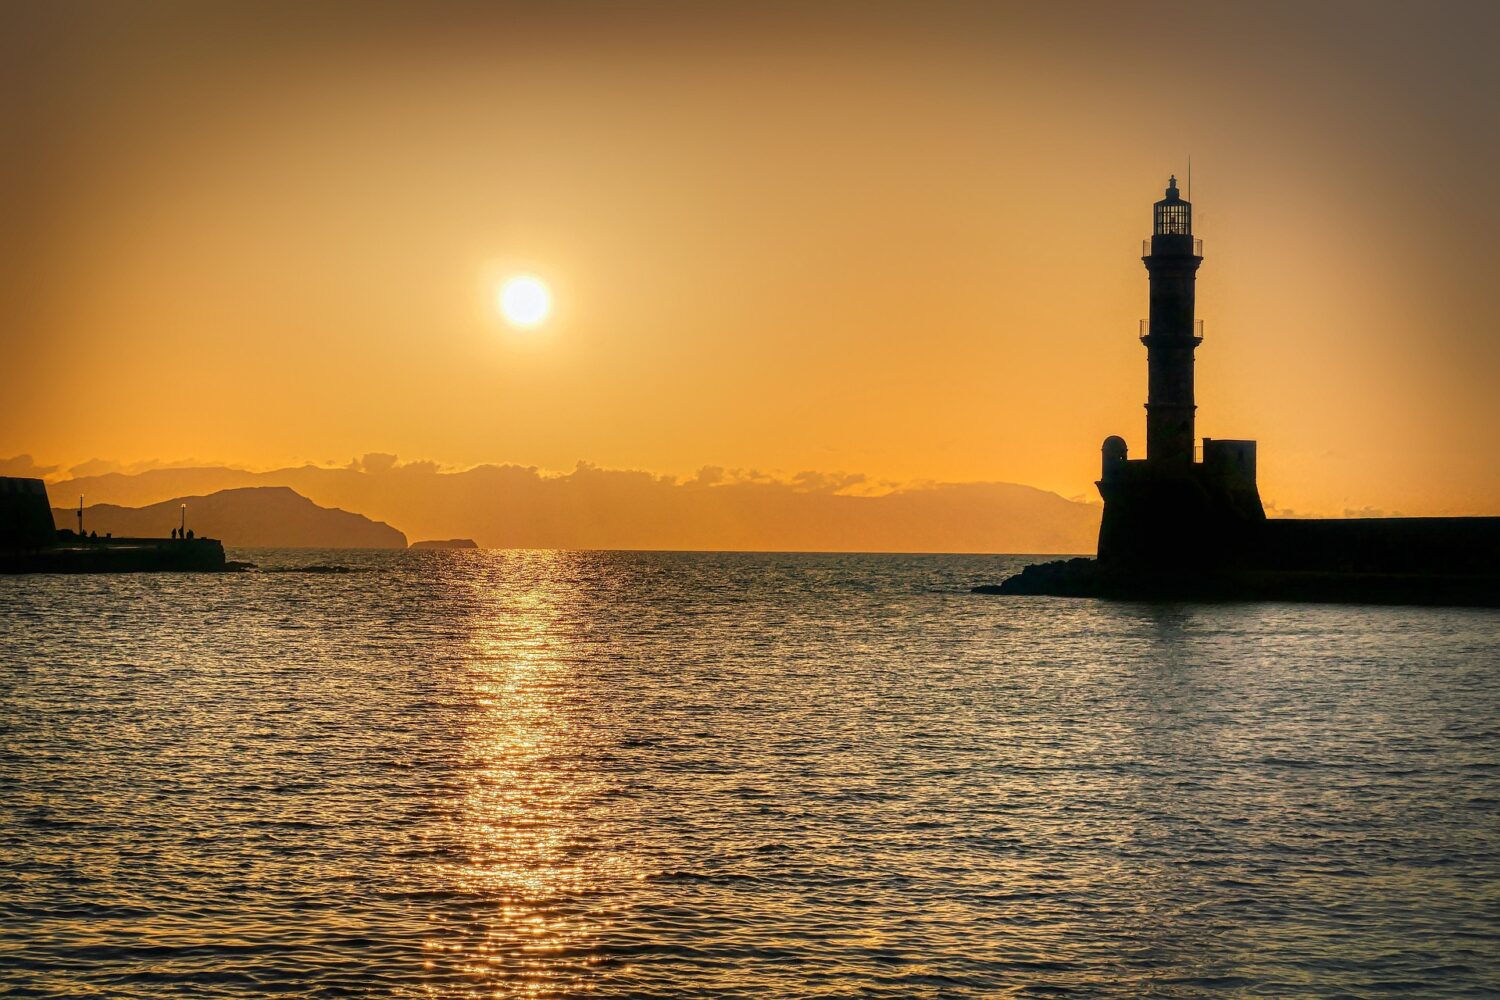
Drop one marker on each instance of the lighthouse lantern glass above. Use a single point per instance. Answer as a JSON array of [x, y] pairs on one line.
[[1174, 218]]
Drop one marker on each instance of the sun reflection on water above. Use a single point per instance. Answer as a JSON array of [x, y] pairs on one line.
[[527, 862]]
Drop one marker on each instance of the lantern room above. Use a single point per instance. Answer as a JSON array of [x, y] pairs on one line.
[[1174, 217]]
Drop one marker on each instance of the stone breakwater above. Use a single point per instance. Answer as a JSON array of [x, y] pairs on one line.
[[1090, 578], [121, 555]]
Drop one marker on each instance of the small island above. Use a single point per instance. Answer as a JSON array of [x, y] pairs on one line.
[[446, 543]]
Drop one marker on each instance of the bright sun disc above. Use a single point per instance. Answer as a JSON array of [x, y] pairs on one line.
[[525, 301]]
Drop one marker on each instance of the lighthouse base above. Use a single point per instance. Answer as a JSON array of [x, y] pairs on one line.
[[1197, 531]]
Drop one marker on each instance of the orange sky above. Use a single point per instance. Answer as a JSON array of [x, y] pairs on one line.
[[899, 240]]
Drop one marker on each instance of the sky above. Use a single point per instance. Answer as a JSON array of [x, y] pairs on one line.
[[894, 242]]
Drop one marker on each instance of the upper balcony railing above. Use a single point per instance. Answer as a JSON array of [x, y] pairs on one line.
[[1146, 247], [1197, 330]]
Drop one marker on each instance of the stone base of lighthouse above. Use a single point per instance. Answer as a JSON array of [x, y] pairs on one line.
[[1164, 517], [1197, 531]]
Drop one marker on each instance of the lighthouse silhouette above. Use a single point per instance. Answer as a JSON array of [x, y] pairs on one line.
[[1171, 510], [1180, 523]]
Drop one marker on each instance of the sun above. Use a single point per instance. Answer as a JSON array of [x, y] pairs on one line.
[[525, 301]]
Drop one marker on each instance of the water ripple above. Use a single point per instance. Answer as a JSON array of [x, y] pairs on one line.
[[534, 774]]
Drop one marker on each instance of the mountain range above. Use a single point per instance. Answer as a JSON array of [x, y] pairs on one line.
[[508, 506]]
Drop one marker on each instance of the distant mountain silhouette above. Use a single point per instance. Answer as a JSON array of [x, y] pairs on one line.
[[507, 506], [249, 517]]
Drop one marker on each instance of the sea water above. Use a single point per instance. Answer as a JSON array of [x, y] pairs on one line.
[[559, 774]]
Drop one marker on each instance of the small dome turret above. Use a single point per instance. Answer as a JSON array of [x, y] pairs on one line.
[[1113, 451]]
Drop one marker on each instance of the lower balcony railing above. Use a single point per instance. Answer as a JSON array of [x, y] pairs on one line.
[[1197, 329]]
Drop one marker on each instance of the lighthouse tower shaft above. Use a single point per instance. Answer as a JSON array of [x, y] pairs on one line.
[[1172, 333]]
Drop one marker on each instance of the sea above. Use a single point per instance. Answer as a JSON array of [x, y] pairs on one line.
[[540, 774]]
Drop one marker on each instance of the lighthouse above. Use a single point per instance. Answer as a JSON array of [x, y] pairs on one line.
[[1184, 523], [1171, 510], [1172, 333]]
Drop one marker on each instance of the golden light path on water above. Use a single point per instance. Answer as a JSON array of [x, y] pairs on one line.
[[550, 775], [525, 819]]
